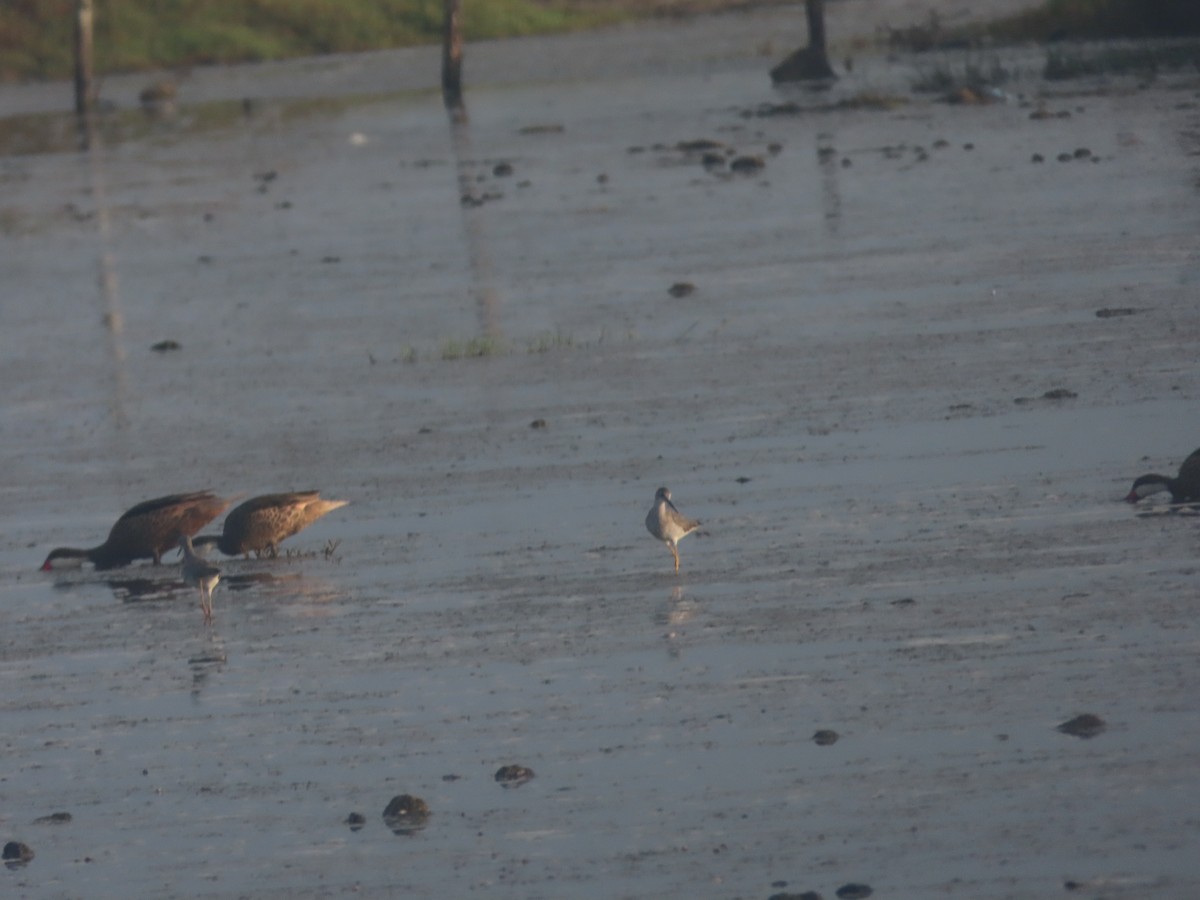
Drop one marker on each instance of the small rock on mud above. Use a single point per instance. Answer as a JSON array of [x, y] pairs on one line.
[[15, 853], [405, 814], [513, 776], [356, 821], [854, 891], [747, 165], [1083, 726], [806, 895], [681, 289], [1059, 394], [58, 818], [825, 737], [1113, 312], [165, 346]]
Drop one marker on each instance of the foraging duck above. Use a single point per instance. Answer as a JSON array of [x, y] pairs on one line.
[[667, 523], [148, 530], [1184, 488], [199, 573], [262, 523]]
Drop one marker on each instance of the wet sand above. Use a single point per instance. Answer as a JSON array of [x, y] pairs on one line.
[[889, 398]]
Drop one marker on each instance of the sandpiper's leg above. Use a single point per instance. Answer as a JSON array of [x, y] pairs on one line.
[[675, 553]]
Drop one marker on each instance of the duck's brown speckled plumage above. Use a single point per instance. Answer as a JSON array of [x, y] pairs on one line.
[[261, 523], [148, 530]]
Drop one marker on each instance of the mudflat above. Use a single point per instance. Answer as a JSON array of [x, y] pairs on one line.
[[901, 371]]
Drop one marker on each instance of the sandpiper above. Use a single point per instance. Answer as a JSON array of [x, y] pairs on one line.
[[667, 523], [200, 573]]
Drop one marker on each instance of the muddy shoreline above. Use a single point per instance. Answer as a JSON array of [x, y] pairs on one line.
[[891, 398]]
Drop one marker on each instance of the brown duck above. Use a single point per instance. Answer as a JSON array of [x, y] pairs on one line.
[[262, 523], [1184, 488], [148, 530]]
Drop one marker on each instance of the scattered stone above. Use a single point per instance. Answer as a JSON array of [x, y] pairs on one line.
[[846, 163], [1083, 726], [681, 289], [541, 129], [967, 146], [451, 777], [904, 601], [538, 423], [204, 259], [329, 260], [825, 737], [1037, 158], [774, 148], [741, 479], [58, 818], [16, 854], [747, 165], [1059, 394], [854, 891], [712, 160], [513, 776], [1082, 153], [941, 144], [701, 145], [165, 346], [1065, 157], [502, 170], [1112, 312], [806, 895], [602, 178], [356, 821], [405, 814]]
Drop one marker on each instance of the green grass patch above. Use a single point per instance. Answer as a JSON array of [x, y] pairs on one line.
[[474, 348], [36, 36]]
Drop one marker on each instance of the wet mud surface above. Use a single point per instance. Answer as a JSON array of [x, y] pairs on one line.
[[895, 393]]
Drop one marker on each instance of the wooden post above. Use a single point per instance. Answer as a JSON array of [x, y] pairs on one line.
[[811, 62], [814, 13], [84, 20], [452, 54]]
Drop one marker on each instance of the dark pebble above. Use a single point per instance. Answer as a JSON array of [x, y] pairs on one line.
[[1065, 157], [1112, 312], [825, 737], [747, 165], [356, 821], [854, 891], [16, 853], [712, 160], [502, 170], [1037, 158], [904, 601], [406, 806], [681, 289], [58, 818], [1083, 726], [1082, 153], [741, 479], [698, 146], [165, 346], [538, 423], [1059, 394], [513, 776], [807, 895], [331, 259], [966, 146]]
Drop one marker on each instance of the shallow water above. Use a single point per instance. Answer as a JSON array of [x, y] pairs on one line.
[[852, 402]]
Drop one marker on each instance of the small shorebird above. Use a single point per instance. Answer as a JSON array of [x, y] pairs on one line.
[[667, 523], [1184, 488], [260, 524], [200, 573], [148, 530]]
